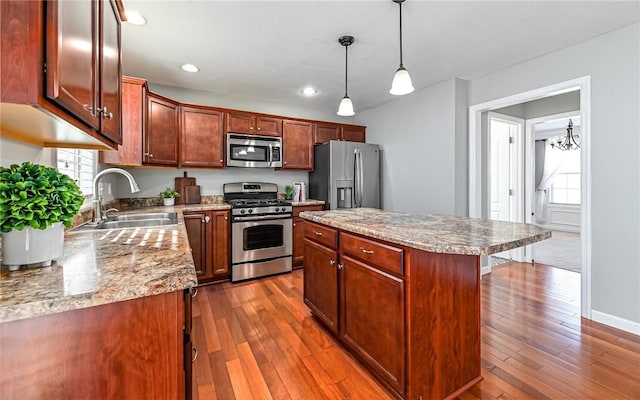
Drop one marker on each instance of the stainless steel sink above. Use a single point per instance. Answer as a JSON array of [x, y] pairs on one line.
[[132, 221]]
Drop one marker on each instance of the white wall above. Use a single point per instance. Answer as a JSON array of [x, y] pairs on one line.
[[423, 169], [557, 104], [14, 152], [613, 61]]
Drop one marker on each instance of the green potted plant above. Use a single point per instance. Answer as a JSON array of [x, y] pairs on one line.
[[36, 203], [169, 196], [288, 192]]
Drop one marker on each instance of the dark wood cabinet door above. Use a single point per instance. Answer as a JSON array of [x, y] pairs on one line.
[[268, 126], [297, 140], [72, 68], [196, 226], [134, 91], [110, 72], [220, 243], [162, 131], [326, 132], [201, 137], [372, 319], [239, 123], [352, 133], [321, 282]]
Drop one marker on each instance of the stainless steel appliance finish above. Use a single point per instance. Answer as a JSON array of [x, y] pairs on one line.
[[346, 175], [261, 230], [251, 151]]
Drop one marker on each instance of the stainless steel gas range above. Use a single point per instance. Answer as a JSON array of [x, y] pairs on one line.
[[261, 230]]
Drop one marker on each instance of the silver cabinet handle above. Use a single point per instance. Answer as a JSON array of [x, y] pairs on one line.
[[195, 354], [340, 266], [207, 219], [332, 262], [365, 251], [105, 113], [87, 107], [193, 291], [318, 233]]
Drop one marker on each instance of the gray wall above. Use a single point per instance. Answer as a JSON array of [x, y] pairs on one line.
[[14, 152], [557, 104], [613, 61], [424, 149]]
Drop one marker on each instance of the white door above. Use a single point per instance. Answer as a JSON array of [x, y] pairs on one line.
[[505, 173]]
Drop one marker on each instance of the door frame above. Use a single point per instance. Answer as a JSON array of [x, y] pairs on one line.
[[478, 165]]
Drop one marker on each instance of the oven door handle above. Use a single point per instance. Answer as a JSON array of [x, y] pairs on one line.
[[262, 217]]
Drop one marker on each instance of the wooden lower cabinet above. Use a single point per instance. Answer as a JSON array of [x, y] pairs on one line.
[[132, 349], [411, 317], [298, 233], [208, 233]]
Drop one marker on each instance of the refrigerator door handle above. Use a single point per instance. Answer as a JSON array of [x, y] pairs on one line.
[[361, 178], [356, 177]]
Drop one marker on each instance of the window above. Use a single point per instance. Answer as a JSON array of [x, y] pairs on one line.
[[565, 188], [80, 165]]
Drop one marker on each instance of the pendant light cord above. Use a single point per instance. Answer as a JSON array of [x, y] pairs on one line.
[[400, 5], [346, 65]]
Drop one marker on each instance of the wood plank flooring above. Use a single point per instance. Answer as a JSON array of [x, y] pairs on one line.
[[257, 340]]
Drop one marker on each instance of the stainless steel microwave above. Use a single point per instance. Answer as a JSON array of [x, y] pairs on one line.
[[254, 151]]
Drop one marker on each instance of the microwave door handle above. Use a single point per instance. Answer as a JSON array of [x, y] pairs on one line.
[[270, 158]]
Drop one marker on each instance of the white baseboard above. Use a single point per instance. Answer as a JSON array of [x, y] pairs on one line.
[[616, 322], [485, 270]]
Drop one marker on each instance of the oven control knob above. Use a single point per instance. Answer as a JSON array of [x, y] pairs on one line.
[[241, 211], [277, 209], [250, 210]]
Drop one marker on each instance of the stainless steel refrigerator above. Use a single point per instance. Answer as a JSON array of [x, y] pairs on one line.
[[346, 175]]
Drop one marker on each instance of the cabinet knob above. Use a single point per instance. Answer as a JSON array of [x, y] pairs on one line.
[[332, 262], [207, 219], [251, 128], [221, 161], [105, 113], [226, 218], [259, 128], [150, 154], [88, 108], [294, 225], [285, 163], [340, 266]]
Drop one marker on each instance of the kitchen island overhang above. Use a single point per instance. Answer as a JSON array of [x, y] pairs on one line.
[[427, 269]]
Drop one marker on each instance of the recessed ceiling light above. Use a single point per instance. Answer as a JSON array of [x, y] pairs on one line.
[[309, 91], [190, 68], [135, 18]]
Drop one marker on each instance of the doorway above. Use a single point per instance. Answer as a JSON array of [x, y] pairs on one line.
[[479, 167]]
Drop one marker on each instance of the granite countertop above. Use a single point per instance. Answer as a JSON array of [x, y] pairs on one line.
[[308, 202], [434, 233], [105, 266]]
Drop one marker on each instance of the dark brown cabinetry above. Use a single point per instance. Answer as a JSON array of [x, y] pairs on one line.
[[325, 132], [298, 233], [77, 46], [411, 317], [208, 233], [297, 141], [161, 135], [134, 100], [201, 137], [253, 124], [82, 353]]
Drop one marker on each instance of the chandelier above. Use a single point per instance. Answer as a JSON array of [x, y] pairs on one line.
[[567, 142]]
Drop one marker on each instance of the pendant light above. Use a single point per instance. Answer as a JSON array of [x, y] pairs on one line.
[[346, 106], [401, 80]]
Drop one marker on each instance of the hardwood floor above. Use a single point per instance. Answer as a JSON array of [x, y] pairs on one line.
[[257, 340]]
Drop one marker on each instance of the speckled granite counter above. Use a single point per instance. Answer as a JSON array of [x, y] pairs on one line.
[[434, 233], [106, 266], [308, 202]]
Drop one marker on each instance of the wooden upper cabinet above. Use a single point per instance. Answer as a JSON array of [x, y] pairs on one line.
[[253, 124], [161, 138], [297, 141], [201, 137], [83, 62], [134, 92], [353, 133], [326, 132]]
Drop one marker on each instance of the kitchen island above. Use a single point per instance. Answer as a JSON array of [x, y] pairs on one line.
[[110, 319], [402, 292]]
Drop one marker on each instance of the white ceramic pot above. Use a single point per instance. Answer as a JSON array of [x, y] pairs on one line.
[[168, 201], [31, 246]]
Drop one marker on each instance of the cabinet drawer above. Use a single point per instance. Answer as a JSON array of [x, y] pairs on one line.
[[381, 255], [321, 234]]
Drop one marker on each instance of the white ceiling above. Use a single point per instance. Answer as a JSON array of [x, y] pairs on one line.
[[270, 50]]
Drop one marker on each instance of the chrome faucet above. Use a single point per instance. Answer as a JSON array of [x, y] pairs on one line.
[[97, 199]]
